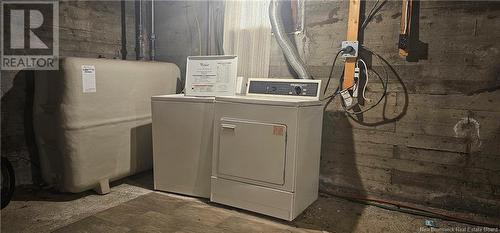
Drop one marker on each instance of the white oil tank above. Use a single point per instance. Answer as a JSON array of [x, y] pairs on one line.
[[92, 120]]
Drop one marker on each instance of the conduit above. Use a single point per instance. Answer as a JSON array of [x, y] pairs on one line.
[[140, 36], [284, 42], [153, 35], [124, 31]]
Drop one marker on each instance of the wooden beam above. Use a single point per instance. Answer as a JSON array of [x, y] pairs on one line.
[[352, 35]]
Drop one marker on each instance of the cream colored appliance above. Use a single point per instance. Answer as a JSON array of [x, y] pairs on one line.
[[92, 120], [267, 147], [182, 143]]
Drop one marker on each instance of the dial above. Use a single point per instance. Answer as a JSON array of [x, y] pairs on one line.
[[298, 90]]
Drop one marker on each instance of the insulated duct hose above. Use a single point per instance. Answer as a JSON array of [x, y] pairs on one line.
[[284, 42]]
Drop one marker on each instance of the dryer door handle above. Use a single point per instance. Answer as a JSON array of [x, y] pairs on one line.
[[228, 126]]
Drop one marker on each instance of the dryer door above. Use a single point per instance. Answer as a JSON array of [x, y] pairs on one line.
[[252, 151]]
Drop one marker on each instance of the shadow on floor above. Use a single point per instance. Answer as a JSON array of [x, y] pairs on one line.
[[37, 193], [339, 173], [143, 180]]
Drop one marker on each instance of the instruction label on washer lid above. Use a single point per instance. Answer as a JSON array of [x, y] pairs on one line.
[[211, 75], [88, 78]]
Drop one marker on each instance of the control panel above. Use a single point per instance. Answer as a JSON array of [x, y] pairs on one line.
[[284, 87]]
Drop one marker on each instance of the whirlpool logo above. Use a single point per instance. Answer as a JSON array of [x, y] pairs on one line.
[[30, 35]]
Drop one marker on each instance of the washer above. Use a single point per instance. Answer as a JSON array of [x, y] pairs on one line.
[[267, 148], [182, 143]]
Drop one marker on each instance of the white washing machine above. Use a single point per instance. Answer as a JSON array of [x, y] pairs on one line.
[[182, 143], [267, 147]]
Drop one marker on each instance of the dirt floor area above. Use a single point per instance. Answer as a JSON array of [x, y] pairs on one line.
[[132, 206]]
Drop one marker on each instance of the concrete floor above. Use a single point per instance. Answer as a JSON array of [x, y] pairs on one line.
[[133, 207]]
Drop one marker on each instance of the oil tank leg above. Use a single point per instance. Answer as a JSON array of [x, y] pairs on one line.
[[102, 187]]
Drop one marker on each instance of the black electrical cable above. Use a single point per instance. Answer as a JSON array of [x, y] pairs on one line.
[[331, 71], [370, 15], [336, 92], [376, 7], [384, 85]]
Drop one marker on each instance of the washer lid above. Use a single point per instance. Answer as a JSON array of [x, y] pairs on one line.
[[183, 98], [269, 100]]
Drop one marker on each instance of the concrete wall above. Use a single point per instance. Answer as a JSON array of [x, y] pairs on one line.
[[412, 147], [181, 31], [87, 29]]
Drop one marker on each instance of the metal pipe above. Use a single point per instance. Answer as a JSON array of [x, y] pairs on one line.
[[153, 35], [124, 31], [284, 42], [140, 37]]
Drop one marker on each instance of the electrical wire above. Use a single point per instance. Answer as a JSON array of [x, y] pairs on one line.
[[372, 106], [383, 82], [331, 71], [366, 78], [335, 93], [376, 7], [338, 89], [363, 24]]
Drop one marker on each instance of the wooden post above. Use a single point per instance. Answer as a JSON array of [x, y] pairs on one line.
[[352, 35]]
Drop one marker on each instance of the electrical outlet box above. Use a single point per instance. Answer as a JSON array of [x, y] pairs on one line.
[[354, 45], [346, 96]]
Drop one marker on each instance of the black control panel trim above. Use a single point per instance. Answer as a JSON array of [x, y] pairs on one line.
[[309, 89]]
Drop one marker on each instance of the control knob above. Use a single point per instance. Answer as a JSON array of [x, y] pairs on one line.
[[298, 90]]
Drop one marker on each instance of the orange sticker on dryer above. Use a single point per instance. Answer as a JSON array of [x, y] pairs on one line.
[[278, 130]]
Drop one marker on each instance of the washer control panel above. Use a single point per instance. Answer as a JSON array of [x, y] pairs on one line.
[[284, 87]]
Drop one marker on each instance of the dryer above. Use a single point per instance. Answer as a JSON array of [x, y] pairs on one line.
[[267, 147]]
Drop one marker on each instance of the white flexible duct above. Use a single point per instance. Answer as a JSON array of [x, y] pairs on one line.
[[284, 42]]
